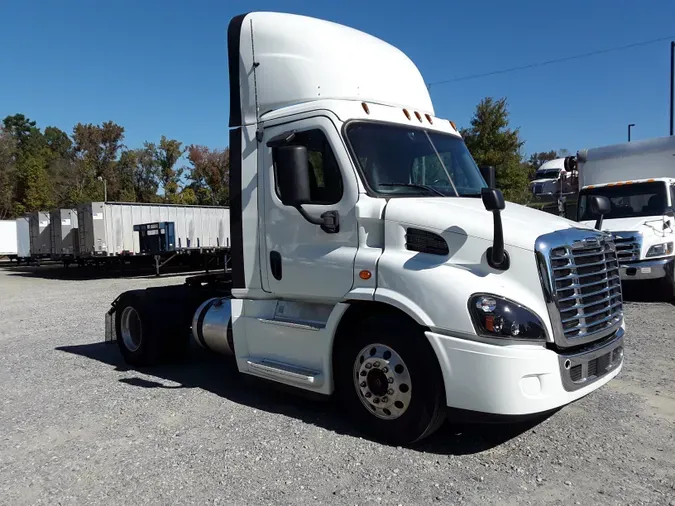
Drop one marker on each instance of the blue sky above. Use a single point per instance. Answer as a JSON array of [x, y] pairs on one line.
[[160, 66]]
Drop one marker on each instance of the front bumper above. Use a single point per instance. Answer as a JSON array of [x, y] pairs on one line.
[[646, 269], [524, 379]]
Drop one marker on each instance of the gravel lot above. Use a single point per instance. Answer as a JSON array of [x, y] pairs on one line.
[[78, 427]]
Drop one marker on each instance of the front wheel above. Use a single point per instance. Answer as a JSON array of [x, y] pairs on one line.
[[388, 379]]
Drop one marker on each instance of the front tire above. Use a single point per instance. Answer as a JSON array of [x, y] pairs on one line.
[[388, 380]]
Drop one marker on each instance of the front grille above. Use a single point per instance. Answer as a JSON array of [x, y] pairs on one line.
[[587, 287], [627, 247], [580, 277]]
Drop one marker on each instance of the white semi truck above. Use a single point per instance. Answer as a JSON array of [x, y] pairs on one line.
[[555, 177], [638, 179], [370, 260]]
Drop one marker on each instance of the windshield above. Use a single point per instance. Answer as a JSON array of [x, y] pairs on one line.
[[405, 161], [547, 174], [627, 201]]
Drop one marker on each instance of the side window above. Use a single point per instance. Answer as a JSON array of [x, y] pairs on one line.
[[672, 195], [325, 179]]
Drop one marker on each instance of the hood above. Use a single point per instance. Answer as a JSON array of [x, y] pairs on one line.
[[522, 225], [645, 224], [545, 180]]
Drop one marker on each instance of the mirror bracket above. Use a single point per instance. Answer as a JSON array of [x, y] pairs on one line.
[[329, 221]]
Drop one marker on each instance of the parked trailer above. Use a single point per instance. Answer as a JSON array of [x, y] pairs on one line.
[[40, 234], [394, 288], [107, 228], [8, 245], [64, 237], [23, 252]]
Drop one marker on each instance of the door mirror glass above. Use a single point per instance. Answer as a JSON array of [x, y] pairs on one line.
[[292, 171], [599, 205]]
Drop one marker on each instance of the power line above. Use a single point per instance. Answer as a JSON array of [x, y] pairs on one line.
[[549, 62]]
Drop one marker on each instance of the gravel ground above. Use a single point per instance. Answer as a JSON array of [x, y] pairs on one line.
[[78, 427]]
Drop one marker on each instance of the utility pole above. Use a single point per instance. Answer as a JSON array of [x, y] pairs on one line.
[[631, 125], [672, 83]]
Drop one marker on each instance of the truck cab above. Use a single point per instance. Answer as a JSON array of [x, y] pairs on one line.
[[369, 258], [554, 177], [638, 179]]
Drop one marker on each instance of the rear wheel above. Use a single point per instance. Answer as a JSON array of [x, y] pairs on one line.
[[388, 379], [151, 329]]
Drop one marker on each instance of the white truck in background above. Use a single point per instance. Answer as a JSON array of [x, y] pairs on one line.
[[370, 260], [555, 177], [638, 179]]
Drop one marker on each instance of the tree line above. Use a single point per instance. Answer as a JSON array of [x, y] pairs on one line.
[[49, 168]]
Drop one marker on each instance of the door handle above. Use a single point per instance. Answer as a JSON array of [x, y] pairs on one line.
[[275, 264]]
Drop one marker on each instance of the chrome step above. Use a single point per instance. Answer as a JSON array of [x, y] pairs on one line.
[[284, 372]]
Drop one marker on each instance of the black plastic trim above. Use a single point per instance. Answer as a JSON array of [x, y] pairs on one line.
[[236, 227], [233, 47], [424, 240]]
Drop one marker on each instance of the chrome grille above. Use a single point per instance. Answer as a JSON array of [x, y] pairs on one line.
[[583, 285], [627, 247]]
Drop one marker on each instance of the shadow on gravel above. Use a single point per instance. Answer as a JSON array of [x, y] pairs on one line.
[[219, 375], [76, 273]]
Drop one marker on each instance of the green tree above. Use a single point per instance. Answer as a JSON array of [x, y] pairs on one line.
[[8, 154], [492, 142], [209, 174], [167, 155], [139, 174], [96, 149], [32, 189]]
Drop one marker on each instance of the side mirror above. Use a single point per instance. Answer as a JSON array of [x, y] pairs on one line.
[[570, 163], [599, 206], [670, 212], [292, 172], [489, 175], [493, 200]]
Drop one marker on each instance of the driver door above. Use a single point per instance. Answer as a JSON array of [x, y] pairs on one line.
[[301, 261]]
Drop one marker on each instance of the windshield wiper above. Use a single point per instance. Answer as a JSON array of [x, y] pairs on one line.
[[413, 185]]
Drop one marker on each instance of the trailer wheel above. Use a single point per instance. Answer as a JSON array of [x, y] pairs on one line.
[[388, 380]]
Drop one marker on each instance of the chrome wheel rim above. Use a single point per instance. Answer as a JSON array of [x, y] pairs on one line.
[[131, 329], [382, 381]]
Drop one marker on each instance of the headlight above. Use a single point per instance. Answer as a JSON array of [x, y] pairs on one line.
[[498, 317], [660, 249]]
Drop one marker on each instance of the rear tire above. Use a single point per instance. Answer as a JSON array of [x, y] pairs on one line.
[[388, 380], [150, 329]]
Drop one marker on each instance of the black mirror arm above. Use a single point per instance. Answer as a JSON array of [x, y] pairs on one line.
[[496, 256], [329, 221], [598, 222]]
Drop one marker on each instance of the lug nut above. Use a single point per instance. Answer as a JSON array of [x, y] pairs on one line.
[[385, 399], [390, 391], [363, 385], [368, 394], [385, 369], [368, 366], [390, 380], [376, 364], [376, 400]]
